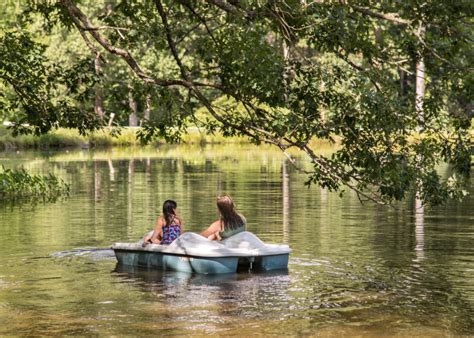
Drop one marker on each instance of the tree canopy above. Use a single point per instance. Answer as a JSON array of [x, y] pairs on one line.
[[390, 81]]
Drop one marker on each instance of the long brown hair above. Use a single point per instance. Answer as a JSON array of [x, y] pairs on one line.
[[229, 216], [169, 206]]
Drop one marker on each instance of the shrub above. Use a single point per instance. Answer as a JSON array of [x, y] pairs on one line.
[[19, 183]]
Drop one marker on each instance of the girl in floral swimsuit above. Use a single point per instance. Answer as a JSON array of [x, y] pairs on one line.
[[168, 226]]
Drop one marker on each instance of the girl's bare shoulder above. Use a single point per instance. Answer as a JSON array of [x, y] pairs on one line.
[[217, 225]]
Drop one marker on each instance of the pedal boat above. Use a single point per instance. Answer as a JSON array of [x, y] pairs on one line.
[[194, 253]]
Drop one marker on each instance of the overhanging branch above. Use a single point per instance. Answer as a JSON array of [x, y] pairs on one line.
[[83, 24], [392, 17], [169, 38]]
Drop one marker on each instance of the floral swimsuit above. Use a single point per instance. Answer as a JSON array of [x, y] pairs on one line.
[[171, 232]]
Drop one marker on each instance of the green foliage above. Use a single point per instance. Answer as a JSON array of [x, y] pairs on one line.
[[250, 75], [280, 72], [47, 96], [16, 184]]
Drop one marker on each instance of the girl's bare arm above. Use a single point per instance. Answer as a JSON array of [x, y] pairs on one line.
[[158, 233], [212, 229]]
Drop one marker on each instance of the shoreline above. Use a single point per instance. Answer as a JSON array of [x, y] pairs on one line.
[[63, 139]]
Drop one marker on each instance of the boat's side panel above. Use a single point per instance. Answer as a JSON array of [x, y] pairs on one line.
[[274, 262], [202, 265]]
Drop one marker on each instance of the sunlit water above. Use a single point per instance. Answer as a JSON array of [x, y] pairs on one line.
[[355, 269]]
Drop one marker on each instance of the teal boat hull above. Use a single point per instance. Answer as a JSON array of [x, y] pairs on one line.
[[202, 265], [212, 265], [194, 253]]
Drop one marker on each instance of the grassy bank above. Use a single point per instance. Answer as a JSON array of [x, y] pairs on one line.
[[69, 138]]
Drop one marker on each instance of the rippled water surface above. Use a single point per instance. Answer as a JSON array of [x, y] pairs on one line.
[[355, 269]]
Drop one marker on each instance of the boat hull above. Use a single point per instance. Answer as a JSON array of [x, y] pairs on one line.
[[212, 265], [273, 262], [194, 253]]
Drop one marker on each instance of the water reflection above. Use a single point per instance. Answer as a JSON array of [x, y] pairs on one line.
[[419, 230], [97, 183], [160, 277], [353, 266], [211, 298], [286, 200], [111, 170], [151, 278]]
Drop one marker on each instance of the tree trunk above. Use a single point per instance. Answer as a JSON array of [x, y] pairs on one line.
[[286, 76], [146, 115], [380, 45], [99, 99], [420, 84], [133, 118], [419, 97], [403, 82], [111, 119]]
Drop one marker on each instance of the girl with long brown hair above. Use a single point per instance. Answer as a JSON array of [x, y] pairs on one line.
[[229, 223]]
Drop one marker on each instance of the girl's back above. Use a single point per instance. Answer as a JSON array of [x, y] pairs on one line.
[[171, 231]]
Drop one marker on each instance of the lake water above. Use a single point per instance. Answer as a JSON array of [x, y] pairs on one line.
[[355, 269]]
